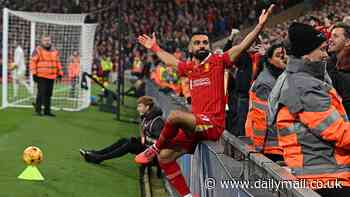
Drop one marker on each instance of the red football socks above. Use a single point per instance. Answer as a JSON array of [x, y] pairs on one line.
[[173, 173]]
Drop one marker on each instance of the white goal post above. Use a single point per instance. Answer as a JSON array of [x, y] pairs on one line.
[[74, 40]]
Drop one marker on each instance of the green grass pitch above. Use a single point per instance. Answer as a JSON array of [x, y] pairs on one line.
[[60, 138]]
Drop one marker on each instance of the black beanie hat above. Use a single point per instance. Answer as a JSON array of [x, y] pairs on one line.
[[304, 39]]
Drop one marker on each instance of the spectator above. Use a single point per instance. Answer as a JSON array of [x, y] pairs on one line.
[[238, 94], [106, 65], [338, 64], [174, 21], [74, 72], [137, 67], [264, 138], [346, 20]]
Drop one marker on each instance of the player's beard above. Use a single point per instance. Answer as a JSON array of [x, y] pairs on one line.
[[201, 54], [47, 47]]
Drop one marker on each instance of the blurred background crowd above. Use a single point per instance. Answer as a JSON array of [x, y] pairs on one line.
[[174, 21]]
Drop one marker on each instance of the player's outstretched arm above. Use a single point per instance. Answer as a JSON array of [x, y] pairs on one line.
[[151, 43], [249, 39]]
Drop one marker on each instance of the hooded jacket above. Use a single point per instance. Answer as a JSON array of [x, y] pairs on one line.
[[312, 127]]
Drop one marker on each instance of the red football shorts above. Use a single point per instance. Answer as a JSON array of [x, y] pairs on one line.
[[207, 130]]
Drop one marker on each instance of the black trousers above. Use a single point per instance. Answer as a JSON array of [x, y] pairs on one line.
[[120, 148], [45, 87], [242, 112], [73, 86], [231, 114]]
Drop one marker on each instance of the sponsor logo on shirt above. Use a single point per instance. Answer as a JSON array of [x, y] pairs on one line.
[[199, 82], [204, 117]]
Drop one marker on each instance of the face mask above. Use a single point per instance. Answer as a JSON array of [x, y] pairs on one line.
[[201, 54]]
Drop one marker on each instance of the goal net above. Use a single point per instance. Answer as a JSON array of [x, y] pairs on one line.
[[73, 39]]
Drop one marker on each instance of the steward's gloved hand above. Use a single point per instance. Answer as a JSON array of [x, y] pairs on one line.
[[59, 77], [35, 78]]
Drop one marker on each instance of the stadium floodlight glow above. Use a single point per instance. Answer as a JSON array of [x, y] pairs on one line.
[[21, 34]]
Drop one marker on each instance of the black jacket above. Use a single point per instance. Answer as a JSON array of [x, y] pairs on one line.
[[244, 73], [340, 81], [152, 124]]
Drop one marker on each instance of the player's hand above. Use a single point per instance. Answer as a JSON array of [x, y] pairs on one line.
[[265, 15], [147, 41]]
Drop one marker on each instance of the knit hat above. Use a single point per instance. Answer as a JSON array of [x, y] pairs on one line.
[[304, 39]]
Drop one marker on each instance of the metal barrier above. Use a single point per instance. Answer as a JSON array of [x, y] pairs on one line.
[[249, 173]]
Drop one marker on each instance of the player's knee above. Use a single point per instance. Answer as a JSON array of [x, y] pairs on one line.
[[175, 116], [165, 157]]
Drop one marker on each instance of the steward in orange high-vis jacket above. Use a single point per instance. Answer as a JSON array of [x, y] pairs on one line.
[[264, 138], [45, 66], [312, 126], [74, 72]]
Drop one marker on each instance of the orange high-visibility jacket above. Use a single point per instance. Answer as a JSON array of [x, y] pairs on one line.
[[46, 64], [137, 65], [74, 67], [256, 58], [157, 75], [313, 129], [185, 87], [256, 123]]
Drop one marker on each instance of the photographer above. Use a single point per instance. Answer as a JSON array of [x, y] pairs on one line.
[[151, 125]]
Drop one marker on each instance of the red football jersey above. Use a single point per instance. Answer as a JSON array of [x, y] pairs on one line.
[[207, 85]]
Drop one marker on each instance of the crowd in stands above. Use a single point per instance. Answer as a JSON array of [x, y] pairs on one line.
[[174, 21], [321, 18]]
